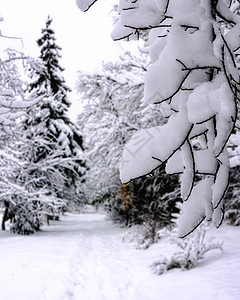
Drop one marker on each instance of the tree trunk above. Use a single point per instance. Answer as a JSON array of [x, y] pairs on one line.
[[5, 218]]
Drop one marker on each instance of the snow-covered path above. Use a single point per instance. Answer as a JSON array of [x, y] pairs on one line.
[[102, 269], [87, 257], [81, 257]]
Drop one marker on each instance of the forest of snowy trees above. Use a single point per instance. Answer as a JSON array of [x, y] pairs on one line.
[[145, 177], [152, 157], [157, 133]]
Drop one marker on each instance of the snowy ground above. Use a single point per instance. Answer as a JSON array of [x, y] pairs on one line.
[[86, 257]]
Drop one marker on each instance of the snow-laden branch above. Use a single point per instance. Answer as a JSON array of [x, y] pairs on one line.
[[194, 78]]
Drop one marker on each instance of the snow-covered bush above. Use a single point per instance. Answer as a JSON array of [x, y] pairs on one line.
[[27, 217], [190, 251], [195, 80], [147, 201]]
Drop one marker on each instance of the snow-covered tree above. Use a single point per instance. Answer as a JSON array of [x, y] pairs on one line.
[[13, 102], [48, 123], [24, 193], [112, 112], [23, 196], [109, 119], [194, 78]]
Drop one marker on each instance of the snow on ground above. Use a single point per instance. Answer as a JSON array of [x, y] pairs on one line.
[[87, 257]]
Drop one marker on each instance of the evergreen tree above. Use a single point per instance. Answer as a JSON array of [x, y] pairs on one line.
[[49, 78], [49, 124]]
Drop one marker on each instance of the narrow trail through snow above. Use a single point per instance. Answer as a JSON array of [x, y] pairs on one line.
[[101, 270], [100, 266]]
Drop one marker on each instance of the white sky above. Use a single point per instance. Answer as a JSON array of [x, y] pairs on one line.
[[84, 37]]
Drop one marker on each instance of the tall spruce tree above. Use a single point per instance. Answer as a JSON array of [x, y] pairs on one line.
[[48, 122]]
